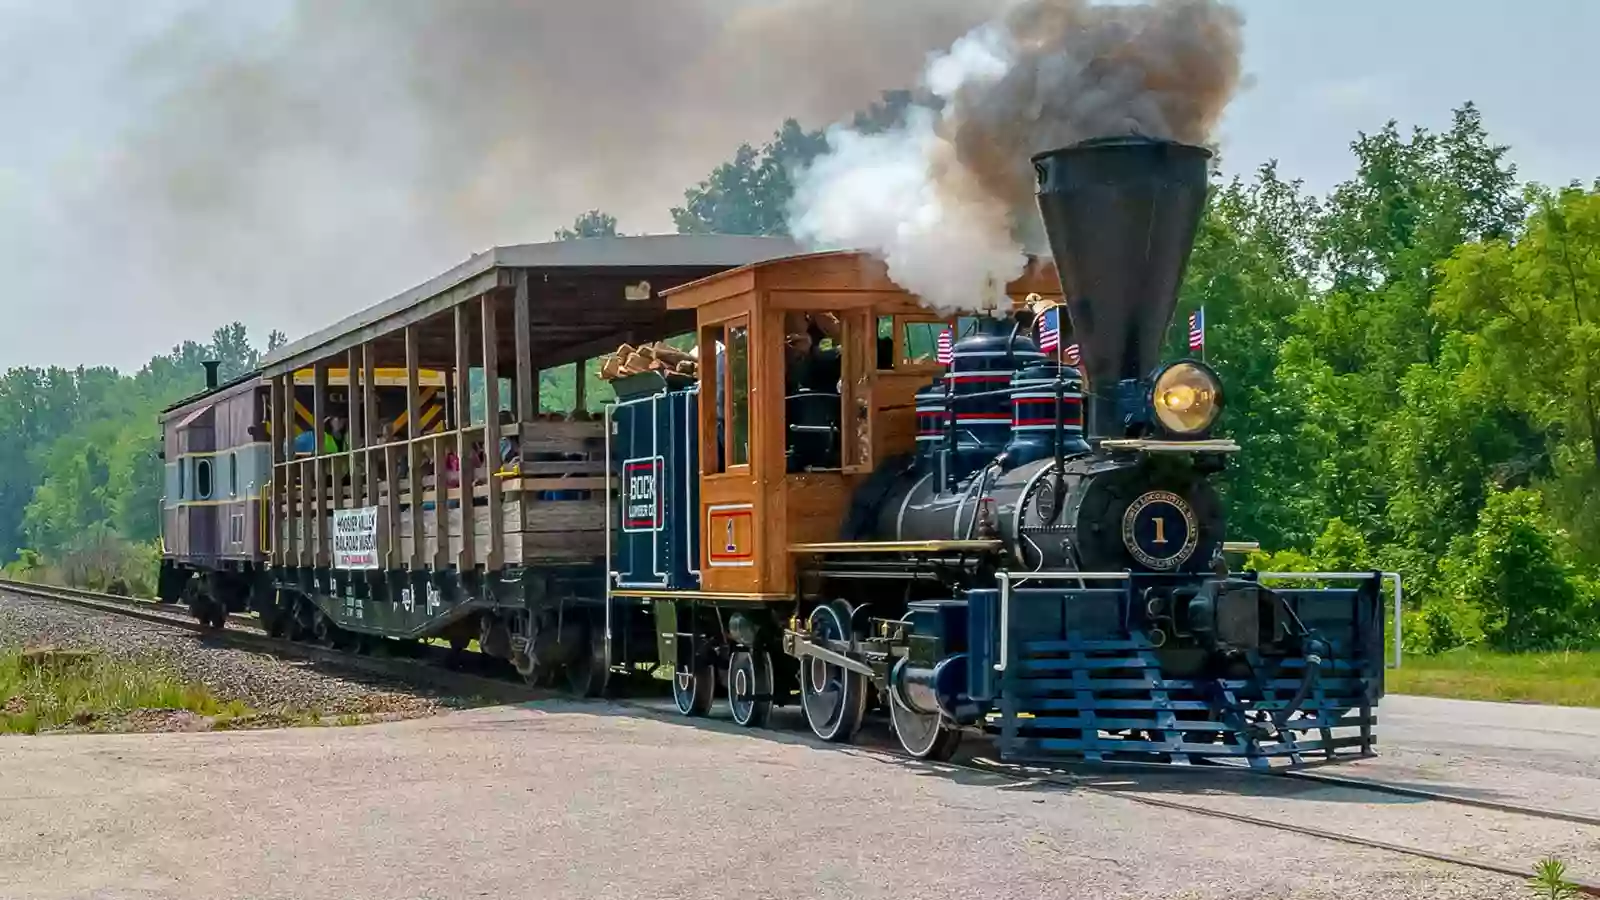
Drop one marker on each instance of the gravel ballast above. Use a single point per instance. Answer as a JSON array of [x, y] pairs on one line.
[[278, 691]]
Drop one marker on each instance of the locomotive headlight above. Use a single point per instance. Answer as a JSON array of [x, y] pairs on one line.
[[1187, 398]]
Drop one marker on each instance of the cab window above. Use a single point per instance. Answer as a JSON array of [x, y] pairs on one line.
[[725, 361]]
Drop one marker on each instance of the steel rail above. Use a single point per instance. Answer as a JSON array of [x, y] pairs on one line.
[[1583, 887], [421, 672], [1436, 796]]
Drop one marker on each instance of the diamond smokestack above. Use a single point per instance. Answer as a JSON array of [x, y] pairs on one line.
[[1121, 214]]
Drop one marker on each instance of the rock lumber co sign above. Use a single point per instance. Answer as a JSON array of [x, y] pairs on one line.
[[355, 538]]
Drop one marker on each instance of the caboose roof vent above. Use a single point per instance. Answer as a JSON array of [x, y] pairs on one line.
[[211, 373]]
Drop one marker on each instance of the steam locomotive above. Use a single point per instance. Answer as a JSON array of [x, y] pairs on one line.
[[1048, 565], [1008, 546]]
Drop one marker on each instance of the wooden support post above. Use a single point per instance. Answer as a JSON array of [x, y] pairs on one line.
[[284, 436], [391, 556], [441, 504], [527, 397], [274, 420], [355, 428], [466, 561], [319, 465], [580, 403], [413, 456], [371, 437], [491, 426], [307, 513]]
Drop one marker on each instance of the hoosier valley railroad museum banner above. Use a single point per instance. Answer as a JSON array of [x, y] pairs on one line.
[[355, 538]]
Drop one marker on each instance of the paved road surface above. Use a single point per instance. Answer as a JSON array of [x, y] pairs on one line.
[[562, 800], [1543, 756]]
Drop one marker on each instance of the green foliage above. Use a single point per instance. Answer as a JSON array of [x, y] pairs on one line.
[[82, 480], [1565, 678], [1509, 567], [1550, 880], [750, 193], [44, 690], [593, 223], [1412, 376]]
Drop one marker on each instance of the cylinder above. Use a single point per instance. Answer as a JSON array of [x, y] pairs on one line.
[[930, 690]]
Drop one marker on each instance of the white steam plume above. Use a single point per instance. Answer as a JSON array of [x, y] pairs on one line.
[[946, 199]]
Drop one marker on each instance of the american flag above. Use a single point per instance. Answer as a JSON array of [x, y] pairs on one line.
[[1071, 354], [946, 348], [1197, 329], [1049, 331]]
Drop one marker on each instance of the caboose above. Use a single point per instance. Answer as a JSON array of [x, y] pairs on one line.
[[849, 502]]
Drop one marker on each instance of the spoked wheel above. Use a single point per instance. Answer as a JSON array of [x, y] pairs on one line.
[[834, 698], [921, 735], [587, 674], [299, 619], [750, 687], [323, 630], [693, 688]]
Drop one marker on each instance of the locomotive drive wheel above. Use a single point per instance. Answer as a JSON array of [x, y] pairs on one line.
[[693, 688], [750, 687], [921, 735], [834, 698], [535, 673]]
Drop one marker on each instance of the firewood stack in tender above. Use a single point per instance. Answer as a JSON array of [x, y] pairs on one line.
[[657, 357]]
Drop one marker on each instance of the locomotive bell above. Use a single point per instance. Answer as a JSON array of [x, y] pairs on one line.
[[1121, 214]]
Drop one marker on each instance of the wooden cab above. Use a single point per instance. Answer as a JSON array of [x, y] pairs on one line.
[[808, 370]]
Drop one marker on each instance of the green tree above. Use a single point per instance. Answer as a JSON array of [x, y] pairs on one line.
[[1510, 568], [1377, 247], [593, 223], [1528, 311], [1250, 271], [750, 193]]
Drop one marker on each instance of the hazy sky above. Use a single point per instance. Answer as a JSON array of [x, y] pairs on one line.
[[93, 269]]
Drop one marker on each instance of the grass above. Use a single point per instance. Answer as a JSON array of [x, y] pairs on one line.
[[46, 692], [1561, 679]]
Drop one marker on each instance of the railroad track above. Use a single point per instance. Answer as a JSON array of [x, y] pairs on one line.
[[244, 631], [1588, 888]]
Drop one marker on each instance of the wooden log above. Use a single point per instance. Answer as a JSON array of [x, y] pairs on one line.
[[670, 354]]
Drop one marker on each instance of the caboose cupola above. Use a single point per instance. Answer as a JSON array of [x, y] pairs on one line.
[[1121, 214]]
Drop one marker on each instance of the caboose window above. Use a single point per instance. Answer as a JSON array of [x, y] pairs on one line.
[[739, 395], [202, 479]]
